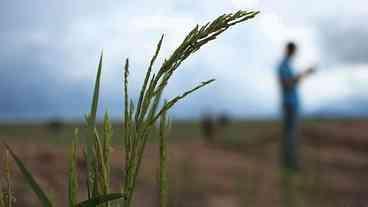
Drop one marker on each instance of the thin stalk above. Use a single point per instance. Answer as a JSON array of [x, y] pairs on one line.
[[163, 177]]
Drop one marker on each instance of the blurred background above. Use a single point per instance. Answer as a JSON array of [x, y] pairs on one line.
[[48, 59]]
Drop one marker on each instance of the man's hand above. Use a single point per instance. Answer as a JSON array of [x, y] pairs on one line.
[[310, 70], [293, 81]]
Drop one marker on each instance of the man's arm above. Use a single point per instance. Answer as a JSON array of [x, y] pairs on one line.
[[291, 82]]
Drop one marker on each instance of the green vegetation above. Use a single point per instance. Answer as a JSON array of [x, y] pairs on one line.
[[139, 126], [6, 194], [163, 178]]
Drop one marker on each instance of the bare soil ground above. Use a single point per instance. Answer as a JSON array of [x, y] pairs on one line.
[[239, 168]]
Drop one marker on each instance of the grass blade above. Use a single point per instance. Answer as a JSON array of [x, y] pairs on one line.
[[2, 196], [73, 177], [8, 195], [107, 138], [173, 101], [163, 179], [101, 175], [148, 75], [91, 123], [126, 137], [92, 115], [100, 200], [31, 181]]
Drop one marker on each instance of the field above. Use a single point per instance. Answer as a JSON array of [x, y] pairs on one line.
[[240, 167]]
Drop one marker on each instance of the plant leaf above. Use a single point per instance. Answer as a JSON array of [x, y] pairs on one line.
[[73, 177], [91, 123], [100, 200], [92, 115], [173, 101], [31, 181], [163, 178]]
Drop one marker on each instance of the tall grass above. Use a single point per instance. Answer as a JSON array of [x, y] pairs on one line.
[[6, 192], [163, 177], [139, 125]]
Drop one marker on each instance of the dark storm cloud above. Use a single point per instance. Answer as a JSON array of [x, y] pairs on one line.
[[345, 41], [29, 88], [31, 83], [32, 59]]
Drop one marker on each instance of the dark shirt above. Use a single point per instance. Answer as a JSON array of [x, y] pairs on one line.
[[289, 93]]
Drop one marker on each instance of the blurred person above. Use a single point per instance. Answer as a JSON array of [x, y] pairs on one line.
[[289, 82], [208, 127], [223, 120]]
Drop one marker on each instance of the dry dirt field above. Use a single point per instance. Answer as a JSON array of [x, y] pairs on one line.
[[239, 168]]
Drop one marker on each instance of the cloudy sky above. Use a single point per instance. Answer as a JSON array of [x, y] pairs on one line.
[[49, 53]]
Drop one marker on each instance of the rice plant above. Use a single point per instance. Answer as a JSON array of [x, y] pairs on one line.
[[139, 125], [163, 177], [6, 192]]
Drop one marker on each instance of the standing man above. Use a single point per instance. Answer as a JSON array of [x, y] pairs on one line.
[[289, 82]]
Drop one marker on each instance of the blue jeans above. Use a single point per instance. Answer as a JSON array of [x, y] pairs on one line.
[[289, 144]]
